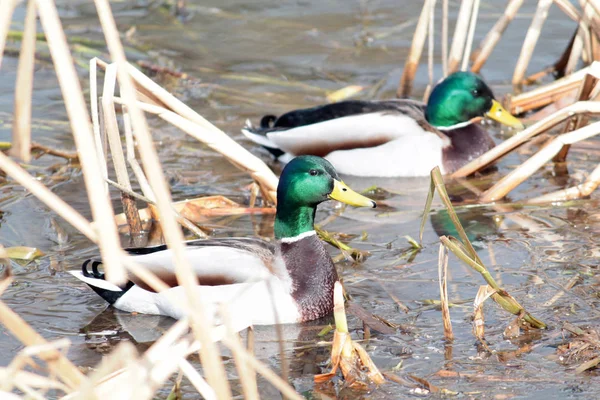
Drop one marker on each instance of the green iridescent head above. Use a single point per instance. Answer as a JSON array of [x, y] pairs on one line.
[[464, 97], [305, 182]]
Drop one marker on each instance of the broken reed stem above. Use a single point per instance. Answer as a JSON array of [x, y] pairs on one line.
[[80, 125], [213, 366], [576, 192], [551, 92], [443, 281], [530, 41], [590, 107], [116, 148], [7, 8], [470, 35], [416, 49], [503, 299], [490, 41], [21, 134], [445, 37], [535, 162], [232, 150], [238, 156], [582, 39], [460, 34]]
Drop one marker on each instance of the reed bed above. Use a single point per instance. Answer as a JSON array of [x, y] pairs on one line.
[[571, 100], [125, 373]]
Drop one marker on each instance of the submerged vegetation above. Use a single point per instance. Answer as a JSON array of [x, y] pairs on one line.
[[117, 155]]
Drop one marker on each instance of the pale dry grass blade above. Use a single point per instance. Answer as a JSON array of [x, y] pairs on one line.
[[286, 390], [470, 36], [416, 49], [45, 195], [7, 8], [197, 380], [460, 35], [246, 373], [582, 39], [211, 360], [80, 125], [430, 48], [96, 120], [445, 37], [60, 365], [529, 167], [222, 144], [515, 141], [443, 282], [490, 41], [550, 92], [531, 39], [116, 148], [241, 158], [21, 134], [576, 192]]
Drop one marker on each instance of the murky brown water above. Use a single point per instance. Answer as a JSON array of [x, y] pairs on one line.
[[307, 48]]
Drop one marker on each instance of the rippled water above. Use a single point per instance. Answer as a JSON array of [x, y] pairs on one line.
[[305, 49]]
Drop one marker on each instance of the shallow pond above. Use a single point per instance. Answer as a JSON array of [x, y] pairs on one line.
[[246, 59]]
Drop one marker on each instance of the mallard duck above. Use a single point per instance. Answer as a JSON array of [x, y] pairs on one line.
[[293, 275], [390, 137]]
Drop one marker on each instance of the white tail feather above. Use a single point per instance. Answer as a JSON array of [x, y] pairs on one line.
[[257, 138], [101, 283]]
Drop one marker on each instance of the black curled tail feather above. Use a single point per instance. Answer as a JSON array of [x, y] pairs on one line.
[[268, 121], [109, 295]]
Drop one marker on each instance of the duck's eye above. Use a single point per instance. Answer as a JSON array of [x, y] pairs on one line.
[[475, 92], [313, 172]]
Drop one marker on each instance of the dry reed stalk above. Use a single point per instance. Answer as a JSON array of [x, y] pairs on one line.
[[246, 373], [576, 192], [529, 167], [286, 390], [243, 159], [430, 48], [7, 8], [470, 35], [21, 134], [460, 34], [530, 41], [80, 125], [443, 281], [58, 363], [416, 48], [197, 380], [211, 360], [232, 150], [508, 145], [484, 293], [45, 195], [549, 93], [116, 148], [490, 41], [96, 122], [582, 39], [585, 91], [132, 160], [445, 37]]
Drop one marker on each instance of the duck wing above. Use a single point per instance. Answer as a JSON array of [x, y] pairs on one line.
[[341, 126], [215, 261]]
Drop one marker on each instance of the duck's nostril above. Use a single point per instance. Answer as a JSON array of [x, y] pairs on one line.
[[344, 190]]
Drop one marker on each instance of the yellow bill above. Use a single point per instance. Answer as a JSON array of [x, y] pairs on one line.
[[499, 114], [341, 192]]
